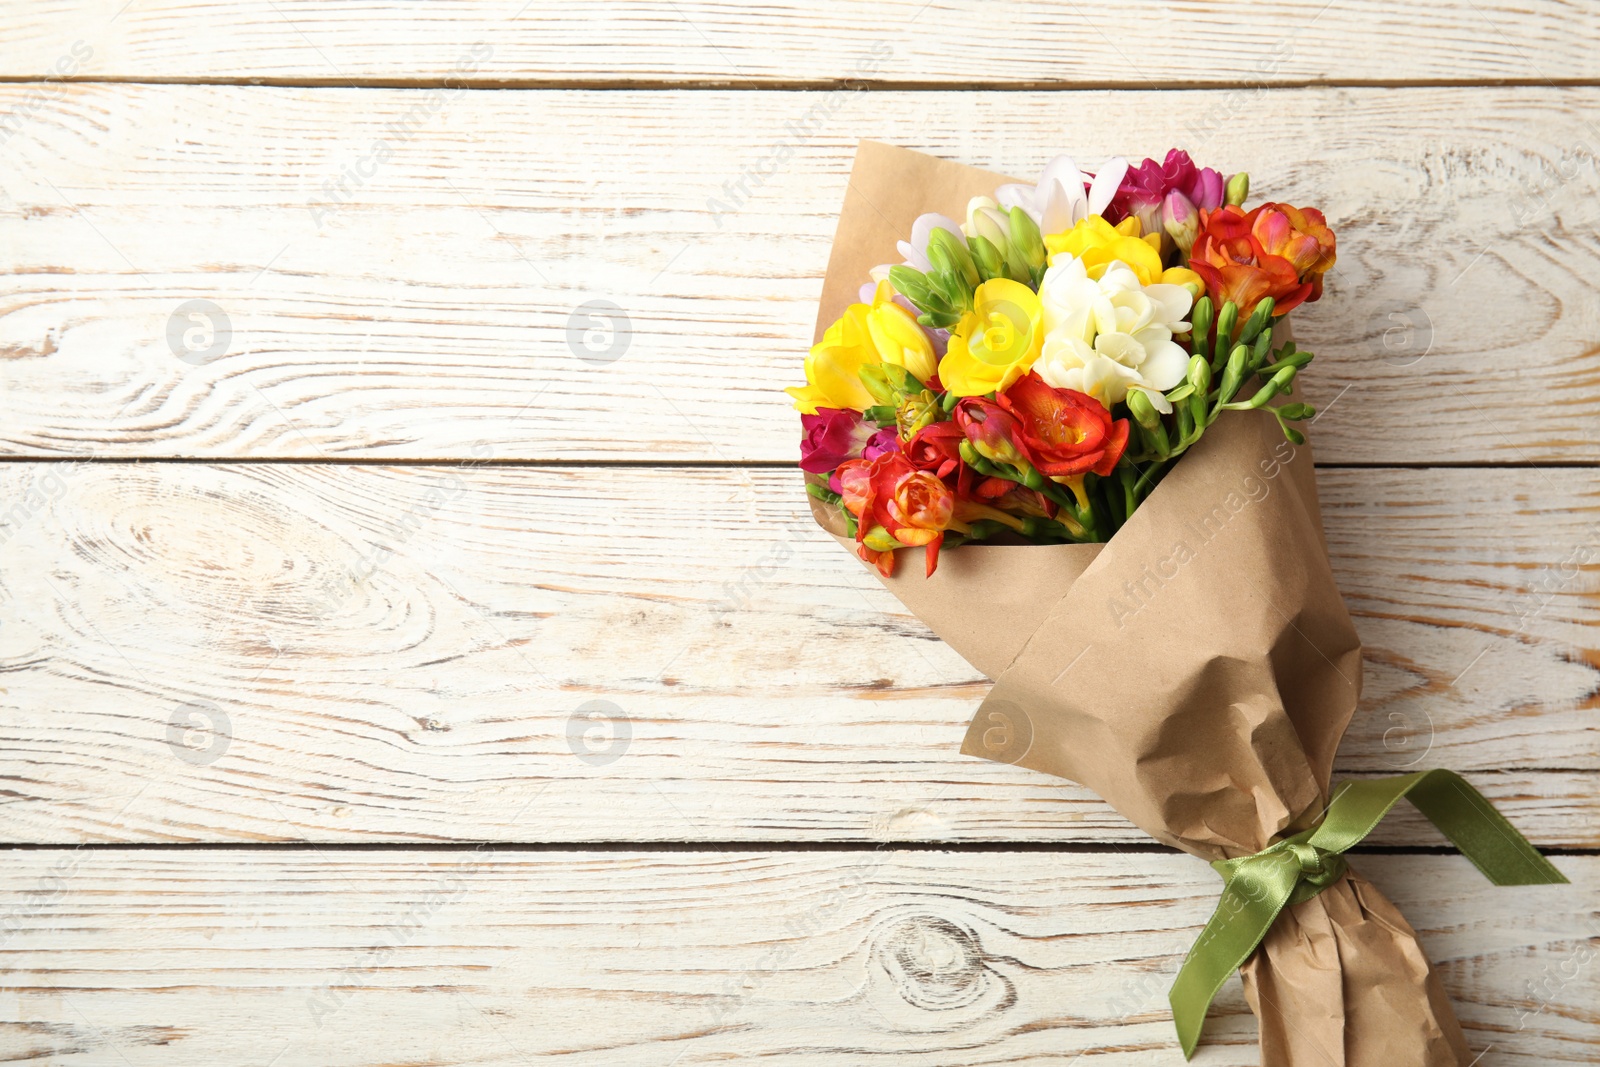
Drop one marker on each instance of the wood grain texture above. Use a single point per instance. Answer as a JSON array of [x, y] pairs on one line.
[[718, 42], [413, 654], [403, 273], [368, 959]]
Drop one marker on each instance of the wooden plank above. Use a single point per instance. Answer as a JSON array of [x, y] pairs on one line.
[[818, 958], [695, 42], [412, 653], [404, 275]]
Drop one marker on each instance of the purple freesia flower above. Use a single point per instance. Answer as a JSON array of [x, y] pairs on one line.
[[885, 440], [1145, 187], [832, 436]]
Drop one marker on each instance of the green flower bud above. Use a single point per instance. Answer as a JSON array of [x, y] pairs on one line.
[[951, 289], [1296, 412], [888, 383], [1233, 374], [948, 253], [1142, 410], [876, 379], [1200, 321], [1259, 320], [913, 284], [1237, 189], [878, 540], [1026, 240], [987, 258], [1226, 320]]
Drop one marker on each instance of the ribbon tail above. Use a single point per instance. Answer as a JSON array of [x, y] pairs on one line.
[[1483, 835], [1460, 812], [1251, 900]]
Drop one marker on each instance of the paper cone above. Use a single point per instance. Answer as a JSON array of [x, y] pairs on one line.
[[1197, 672]]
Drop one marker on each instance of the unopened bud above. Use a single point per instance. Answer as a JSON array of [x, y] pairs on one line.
[[1238, 188], [1180, 219]]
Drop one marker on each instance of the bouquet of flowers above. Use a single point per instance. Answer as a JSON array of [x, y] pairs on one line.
[[1076, 386], [1034, 371]]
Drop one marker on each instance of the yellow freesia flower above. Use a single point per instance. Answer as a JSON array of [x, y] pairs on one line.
[[897, 336], [865, 335], [995, 343], [1098, 244]]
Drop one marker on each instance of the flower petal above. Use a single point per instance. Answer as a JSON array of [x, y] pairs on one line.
[[1164, 367], [1106, 183]]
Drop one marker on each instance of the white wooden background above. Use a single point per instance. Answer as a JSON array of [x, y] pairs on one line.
[[300, 637]]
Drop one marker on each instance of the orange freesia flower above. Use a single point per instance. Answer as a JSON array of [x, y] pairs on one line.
[[896, 506], [1274, 250]]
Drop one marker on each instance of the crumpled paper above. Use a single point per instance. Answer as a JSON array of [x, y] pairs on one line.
[[1197, 672]]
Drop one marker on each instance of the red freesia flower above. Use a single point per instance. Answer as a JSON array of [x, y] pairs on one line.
[[895, 505], [936, 448], [993, 431], [1067, 433], [1275, 250]]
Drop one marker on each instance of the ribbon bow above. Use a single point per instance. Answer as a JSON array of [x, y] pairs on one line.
[[1297, 868]]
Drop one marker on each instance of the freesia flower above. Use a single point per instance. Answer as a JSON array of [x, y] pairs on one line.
[[986, 219], [1067, 433], [869, 292], [992, 431], [896, 506], [937, 449], [1274, 250], [995, 343], [1181, 220], [1146, 186], [865, 335], [1300, 235], [1099, 244], [832, 435], [885, 440], [1107, 335], [1062, 198], [897, 335], [916, 250]]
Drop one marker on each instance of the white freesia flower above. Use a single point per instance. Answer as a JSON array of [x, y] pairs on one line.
[[1059, 202], [1104, 337], [986, 219]]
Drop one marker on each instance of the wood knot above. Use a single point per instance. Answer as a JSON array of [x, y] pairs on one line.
[[934, 963]]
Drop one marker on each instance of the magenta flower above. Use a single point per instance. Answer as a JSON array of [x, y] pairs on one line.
[[1145, 187], [832, 436], [885, 440]]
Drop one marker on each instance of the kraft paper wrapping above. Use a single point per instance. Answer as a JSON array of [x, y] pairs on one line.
[[1197, 672]]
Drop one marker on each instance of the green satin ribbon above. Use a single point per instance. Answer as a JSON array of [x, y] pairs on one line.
[[1299, 867]]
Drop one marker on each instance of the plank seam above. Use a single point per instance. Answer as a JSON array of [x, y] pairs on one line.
[[1063, 848], [803, 85]]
